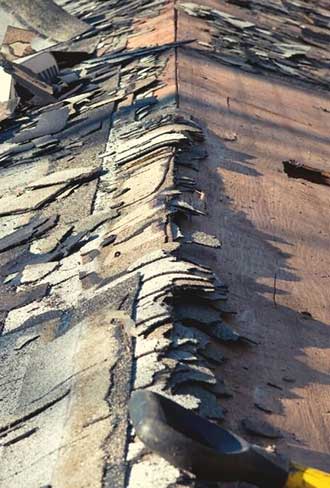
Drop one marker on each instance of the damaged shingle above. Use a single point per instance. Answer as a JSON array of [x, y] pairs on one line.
[[25, 234], [47, 189], [10, 300], [32, 200], [36, 272], [209, 405], [49, 122], [261, 428], [264, 400], [202, 239], [190, 374], [67, 176]]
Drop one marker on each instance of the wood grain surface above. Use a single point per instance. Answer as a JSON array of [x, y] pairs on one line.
[[275, 241]]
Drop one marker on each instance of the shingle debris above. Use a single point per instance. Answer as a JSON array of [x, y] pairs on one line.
[[288, 38], [261, 428]]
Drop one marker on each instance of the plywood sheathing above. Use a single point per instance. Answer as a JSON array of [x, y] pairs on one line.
[[274, 233]]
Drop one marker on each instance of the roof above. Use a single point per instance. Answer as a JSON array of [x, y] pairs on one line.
[[151, 235]]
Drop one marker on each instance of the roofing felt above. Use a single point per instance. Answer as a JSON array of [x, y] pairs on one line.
[[110, 267]]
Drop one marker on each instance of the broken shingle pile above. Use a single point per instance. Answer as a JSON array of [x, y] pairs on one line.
[[100, 293], [177, 310], [288, 37]]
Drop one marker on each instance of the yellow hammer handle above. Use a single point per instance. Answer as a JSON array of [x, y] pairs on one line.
[[302, 477]]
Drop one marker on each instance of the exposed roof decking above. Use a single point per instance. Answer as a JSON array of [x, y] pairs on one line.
[[274, 232]]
